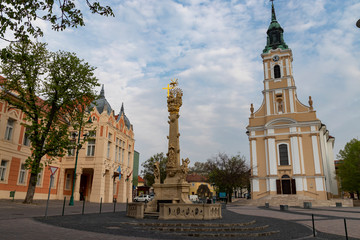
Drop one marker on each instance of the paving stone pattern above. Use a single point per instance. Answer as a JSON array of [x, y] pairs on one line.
[[19, 221]]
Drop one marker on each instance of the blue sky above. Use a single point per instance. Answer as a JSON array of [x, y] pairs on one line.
[[213, 48]]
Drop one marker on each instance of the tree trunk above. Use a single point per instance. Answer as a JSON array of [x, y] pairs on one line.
[[357, 192], [229, 196], [31, 188]]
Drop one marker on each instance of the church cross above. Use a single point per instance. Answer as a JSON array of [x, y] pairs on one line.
[[168, 89]]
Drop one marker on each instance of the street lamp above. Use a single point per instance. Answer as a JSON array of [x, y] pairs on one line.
[[358, 23], [78, 147]]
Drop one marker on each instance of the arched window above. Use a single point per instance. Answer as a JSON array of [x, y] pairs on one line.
[[277, 73], [283, 154]]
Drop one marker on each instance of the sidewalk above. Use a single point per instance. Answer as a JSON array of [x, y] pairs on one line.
[[327, 219], [16, 209]]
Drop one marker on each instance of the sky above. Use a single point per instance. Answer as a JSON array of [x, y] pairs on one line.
[[213, 48]]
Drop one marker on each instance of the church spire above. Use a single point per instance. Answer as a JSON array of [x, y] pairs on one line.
[[274, 33], [122, 109], [102, 92], [273, 15]]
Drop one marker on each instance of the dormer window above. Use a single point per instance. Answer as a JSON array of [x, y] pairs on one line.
[[277, 73]]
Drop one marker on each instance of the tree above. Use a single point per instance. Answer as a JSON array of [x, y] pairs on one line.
[[228, 173], [200, 168], [349, 169], [49, 88], [203, 191], [148, 168], [19, 16]]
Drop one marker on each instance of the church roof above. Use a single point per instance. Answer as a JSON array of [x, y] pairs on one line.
[[275, 37], [122, 112], [101, 103]]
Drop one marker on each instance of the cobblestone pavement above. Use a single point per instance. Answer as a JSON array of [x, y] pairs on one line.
[[19, 221]]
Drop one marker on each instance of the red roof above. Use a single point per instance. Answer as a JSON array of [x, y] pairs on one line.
[[140, 179], [194, 177]]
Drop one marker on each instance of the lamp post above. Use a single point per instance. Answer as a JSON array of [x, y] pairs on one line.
[[78, 147], [358, 23]]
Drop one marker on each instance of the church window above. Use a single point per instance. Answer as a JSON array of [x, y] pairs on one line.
[[277, 73], [283, 154]]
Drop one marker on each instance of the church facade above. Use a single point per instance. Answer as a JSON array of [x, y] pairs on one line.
[[291, 150]]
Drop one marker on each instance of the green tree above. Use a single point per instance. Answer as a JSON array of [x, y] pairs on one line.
[[19, 16], [49, 88], [349, 169], [148, 168], [228, 173]]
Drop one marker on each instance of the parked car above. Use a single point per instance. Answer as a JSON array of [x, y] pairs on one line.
[[143, 198], [152, 196], [194, 198]]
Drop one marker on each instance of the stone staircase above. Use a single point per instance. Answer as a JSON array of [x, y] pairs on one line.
[[277, 200], [207, 230], [151, 215]]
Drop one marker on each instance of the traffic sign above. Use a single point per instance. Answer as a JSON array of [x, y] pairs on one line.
[[53, 170]]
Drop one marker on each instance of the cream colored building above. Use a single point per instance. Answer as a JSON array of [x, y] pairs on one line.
[[111, 146], [106, 155], [291, 149]]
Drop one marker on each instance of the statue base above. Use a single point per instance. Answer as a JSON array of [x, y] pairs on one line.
[[169, 193]]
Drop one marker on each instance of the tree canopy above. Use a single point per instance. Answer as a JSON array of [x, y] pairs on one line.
[[148, 168], [53, 90], [19, 17], [228, 173], [349, 169]]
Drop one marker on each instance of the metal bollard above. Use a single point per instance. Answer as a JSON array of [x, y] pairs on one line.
[[313, 223], [346, 234], [114, 204], [100, 204], [63, 210], [83, 207]]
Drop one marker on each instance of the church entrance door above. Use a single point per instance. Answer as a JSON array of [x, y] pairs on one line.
[[286, 189]]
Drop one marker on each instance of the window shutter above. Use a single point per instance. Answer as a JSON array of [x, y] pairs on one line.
[[278, 186], [293, 186]]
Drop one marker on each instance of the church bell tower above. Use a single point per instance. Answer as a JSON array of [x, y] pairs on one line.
[[291, 150]]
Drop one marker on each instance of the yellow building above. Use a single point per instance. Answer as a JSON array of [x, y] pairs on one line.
[[199, 186], [291, 150], [106, 155]]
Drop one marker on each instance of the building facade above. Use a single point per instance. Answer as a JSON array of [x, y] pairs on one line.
[[104, 166], [291, 149]]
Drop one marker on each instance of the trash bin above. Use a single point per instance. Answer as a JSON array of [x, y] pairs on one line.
[[284, 207], [267, 205], [12, 194]]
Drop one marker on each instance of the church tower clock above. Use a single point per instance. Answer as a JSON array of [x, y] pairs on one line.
[[290, 148]]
